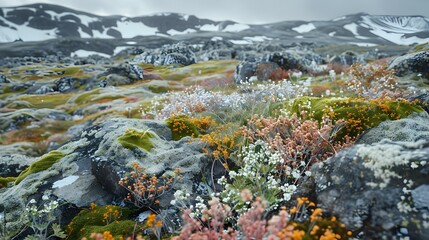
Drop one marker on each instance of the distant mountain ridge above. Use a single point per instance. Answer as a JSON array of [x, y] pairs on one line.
[[38, 22]]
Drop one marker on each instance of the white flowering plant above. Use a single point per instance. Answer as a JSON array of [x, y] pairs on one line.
[[262, 175], [42, 218]]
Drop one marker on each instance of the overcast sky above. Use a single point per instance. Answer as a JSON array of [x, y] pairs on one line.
[[245, 11]]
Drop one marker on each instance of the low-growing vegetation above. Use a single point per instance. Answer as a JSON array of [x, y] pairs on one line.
[[266, 135]]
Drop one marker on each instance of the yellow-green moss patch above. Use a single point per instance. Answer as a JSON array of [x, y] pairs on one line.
[[45, 162], [360, 114], [181, 126], [4, 181], [137, 139], [86, 97], [98, 219], [47, 100]]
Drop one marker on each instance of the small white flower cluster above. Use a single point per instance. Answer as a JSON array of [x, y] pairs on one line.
[[184, 102], [279, 91], [181, 199], [175, 103], [260, 173], [42, 217], [34, 210]]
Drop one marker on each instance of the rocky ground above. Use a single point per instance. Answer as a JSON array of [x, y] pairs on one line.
[[216, 136]]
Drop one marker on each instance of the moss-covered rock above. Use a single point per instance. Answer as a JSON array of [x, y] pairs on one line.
[[45, 162], [99, 219], [137, 139], [4, 181], [360, 114], [182, 126]]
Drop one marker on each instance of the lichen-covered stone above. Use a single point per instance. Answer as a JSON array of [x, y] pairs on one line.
[[412, 63], [368, 187]]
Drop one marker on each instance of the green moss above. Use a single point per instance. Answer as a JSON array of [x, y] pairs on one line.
[[47, 100], [4, 181], [117, 229], [359, 114], [158, 89], [86, 97], [69, 71], [181, 126], [94, 220], [136, 139], [420, 47], [45, 162]]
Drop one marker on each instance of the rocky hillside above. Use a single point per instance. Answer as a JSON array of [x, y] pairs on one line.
[[39, 22]]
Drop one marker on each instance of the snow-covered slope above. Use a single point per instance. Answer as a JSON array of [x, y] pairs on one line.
[[44, 21], [38, 22]]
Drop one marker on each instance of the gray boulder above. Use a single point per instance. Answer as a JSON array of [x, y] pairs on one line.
[[67, 84], [3, 79], [347, 58], [95, 161], [410, 129], [377, 187], [413, 63], [131, 71], [244, 71], [179, 53], [13, 164]]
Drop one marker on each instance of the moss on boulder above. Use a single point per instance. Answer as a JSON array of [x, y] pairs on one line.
[[360, 114], [45, 162], [4, 181], [99, 219], [137, 139]]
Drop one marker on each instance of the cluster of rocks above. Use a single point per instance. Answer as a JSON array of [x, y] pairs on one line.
[[179, 53], [53, 61]]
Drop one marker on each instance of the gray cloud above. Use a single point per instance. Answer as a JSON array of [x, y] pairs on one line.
[[246, 11]]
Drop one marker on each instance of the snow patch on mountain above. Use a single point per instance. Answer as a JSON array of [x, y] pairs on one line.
[[394, 29], [209, 27], [84, 19], [130, 29], [173, 32], [304, 28], [360, 44], [86, 53], [258, 38], [240, 42], [237, 27], [216, 39], [24, 32], [398, 24], [353, 27], [339, 19], [119, 49]]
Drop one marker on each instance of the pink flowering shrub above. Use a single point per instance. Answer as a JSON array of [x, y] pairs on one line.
[[300, 143], [211, 225]]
